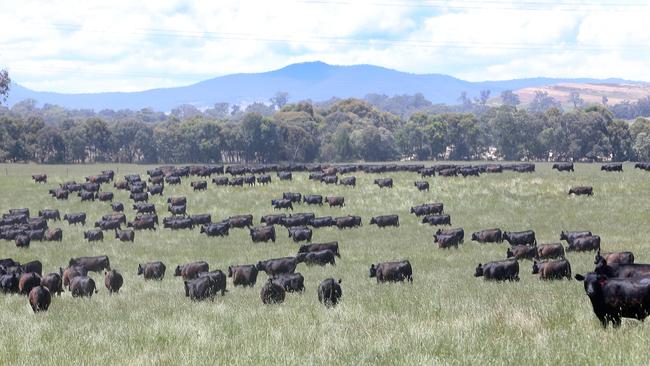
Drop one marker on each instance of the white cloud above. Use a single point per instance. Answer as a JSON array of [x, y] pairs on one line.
[[128, 46]]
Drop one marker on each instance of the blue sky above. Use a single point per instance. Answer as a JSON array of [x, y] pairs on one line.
[[126, 46]]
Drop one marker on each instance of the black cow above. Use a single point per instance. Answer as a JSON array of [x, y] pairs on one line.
[[177, 201], [40, 298], [105, 196], [585, 243], [264, 179], [142, 223], [615, 257], [218, 278], [201, 219], [612, 167], [53, 282], [145, 208], [329, 179], [348, 222], [427, 209], [569, 236], [317, 247], [582, 191], [199, 185], [428, 172], [563, 167], [172, 180], [250, 180], [291, 282], [93, 264], [39, 178], [87, 196], [325, 221], [520, 237], [294, 197], [82, 286], [263, 233], [113, 281], [220, 181], [329, 292], [191, 270], [241, 221], [550, 251], [94, 235], [285, 175], [392, 271], [108, 224], [437, 220], [152, 270], [488, 236], [117, 206], [272, 293], [283, 203], [9, 283], [422, 186], [335, 201], [200, 288], [616, 298], [385, 220], [499, 270], [139, 197], [320, 258], [50, 214], [384, 182], [243, 275], [522, 252], [313, 199], [277, 266], [469, 171], [27, 281], [176, 223], [177, 210], [300, 233], [273, 219], [348, 181], [115, 216], [125, 235], [55, 234]]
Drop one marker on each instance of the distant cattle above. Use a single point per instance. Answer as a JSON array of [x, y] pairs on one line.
[[82, 286], [320, 258], [427, 209], [218, 280], [520, 237], [392, 271], [437, 220], [177, 210], [264, 179], [71, 272], [300, 233], [384, 182], [117, 206], [469, 171], [283, 203], [144, 207], [263, 233], [569, 236], [93, 264], [125, 235], [55, 234], [40, 298], [522, 252], [615, 257], [53, 282], [428, 172], [313, 199], [329, 292], [199, 186], [87, 196], [325, 221], [27, 281], [422, 186], [241, 221], [108, 224], [582, 191], [250, 180], [553, 270], [277, 266], [200, 288], [385, 220], [450, 172], [291, 282], [243, 275], [139, 197], [220, 181], [550, 251], [347, 222], [152, 270], [498, 271], [612, 167], [329, 179], [50, 214], [94, 235], [113, 281], [317, 247], [39, 178], [272, 293], [273, 219], [488, 236], [348, 181], [585, 243], [285, 175], [335, 201], [294, 197], [191, 270], [105, 196], [563, 167]]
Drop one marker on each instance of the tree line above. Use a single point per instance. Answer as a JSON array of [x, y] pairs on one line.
[[336, 131]]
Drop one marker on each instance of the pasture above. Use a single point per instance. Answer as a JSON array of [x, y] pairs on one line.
[[447, 316]]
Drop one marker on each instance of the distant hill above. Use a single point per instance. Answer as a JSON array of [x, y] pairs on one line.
[[589, 92], [317, 81]]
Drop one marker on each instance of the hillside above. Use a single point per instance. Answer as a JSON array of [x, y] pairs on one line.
[[589, 92]]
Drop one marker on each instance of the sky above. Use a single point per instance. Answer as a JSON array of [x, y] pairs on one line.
[[136, 45]]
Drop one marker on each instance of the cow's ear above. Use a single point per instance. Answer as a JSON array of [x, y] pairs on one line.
[[340, 280], [579, 277]]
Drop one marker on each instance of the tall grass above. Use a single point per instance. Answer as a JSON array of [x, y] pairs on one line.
[[446, 316]]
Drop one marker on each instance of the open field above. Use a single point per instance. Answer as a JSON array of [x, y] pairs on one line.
[[591, 93], [445, 317]]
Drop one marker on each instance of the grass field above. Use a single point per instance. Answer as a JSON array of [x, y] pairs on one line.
[[445, 317]]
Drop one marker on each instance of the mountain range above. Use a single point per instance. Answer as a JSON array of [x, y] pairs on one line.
[[317, 81]]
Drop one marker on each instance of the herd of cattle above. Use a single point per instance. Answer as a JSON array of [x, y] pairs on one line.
[[618, 287]]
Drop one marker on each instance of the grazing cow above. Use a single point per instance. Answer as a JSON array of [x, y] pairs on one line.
[[291, 282], [488, 236], [156, 189], [428, 172], [152, 270], [392, 271], [422, 186], [33, 266], [582, 191], [317, 247], [71, 272], [263, 233], [191, 270], [142, 223], [520, 237], [612, 167], [216, 229], [330, 170], [615, 257], [563, 167], [294, 197], [27, 281], [50, 214], [277, 266], [550, 251], [585, 243], [569, 236], [385, 220], [60, 194], [243, 275], [199, 185], [87, 196], [264, 179], [320, 258], [220, 181], [22, 241], [329, 179], [105, 196], [113, 281], [273, 219], [82, 286], [176, 223], [313, 199], [469, 171], [177, 201], [94, 235], [437, 220], [108, 224], [218, 280], [39, 178], [446, 241], [272, 293], [427, 209], [499, 270], [616, 298], [139, 197], [300, 233], [125, 235], [121, 185], [283, 203], [90, 187], [348, 181], [384, 182], [40, 298], [552, 270], [250, 180], [295, 220], [348, 222], [53, 282], [449, 172], [241, 221], [9, 283], [144, 207], [522, 252], [92, 264], [325, 221], [158, 179], [457, 232], [285, 175], [335, 201], [117, 206], [236, 182], [172, 180], [329, 292], [177, 210], [316, 176], [115, 216]]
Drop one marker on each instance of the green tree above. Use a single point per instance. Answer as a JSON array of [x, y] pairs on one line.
[[620, 140], [509, 98], [642, 146], [279, 100], [5, 85]]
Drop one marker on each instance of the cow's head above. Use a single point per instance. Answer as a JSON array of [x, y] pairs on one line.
[[474, 236], [479, 270], [177, 271], [373, 221], [373, 270], [509, 253], [598, 257], [140, 269], [593, 282], [535, 267], [260, 266]]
